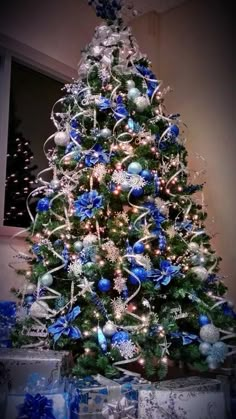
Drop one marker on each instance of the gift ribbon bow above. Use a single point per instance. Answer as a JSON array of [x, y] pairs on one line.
[[120, 409], [36, 407]]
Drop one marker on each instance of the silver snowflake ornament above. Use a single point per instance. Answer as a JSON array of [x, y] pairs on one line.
[[119, 283], [75, 268], [119, 307], [126, 348]]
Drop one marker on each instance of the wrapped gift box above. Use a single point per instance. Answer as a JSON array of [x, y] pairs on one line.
[[183, 398], [7, 322], [98, 397], [23, 365]]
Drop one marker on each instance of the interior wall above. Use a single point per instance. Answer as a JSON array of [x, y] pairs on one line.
[[196, 49]]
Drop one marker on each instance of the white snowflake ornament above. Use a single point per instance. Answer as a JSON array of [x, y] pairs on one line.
[[127, 349], [119, 283], [119, 307], [75, 268]]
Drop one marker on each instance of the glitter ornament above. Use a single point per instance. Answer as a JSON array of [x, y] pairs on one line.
[[55, 184], [219, 351], [39, 309], [89, 240], [193, 247], [205, 348], [141, 103], [28, 299], [140, 272], [46, 280], [109, 329], [130, 84], [119, 337], [127, 349], [133, 93], [104, 285], [125, 186], [78, 246], [105, 133], [134, 168], [30, 288], [138, 247], [203, 319], [201, 272], [61, 138], [174, 130], [212, 363], [209, 333], [43, 205]]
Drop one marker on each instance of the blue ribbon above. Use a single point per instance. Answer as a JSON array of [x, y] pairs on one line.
[[163, 275], [62, 326], [36, 407], [187, 338]]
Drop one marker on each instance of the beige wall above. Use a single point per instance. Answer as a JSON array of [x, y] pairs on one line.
[[196, 52]]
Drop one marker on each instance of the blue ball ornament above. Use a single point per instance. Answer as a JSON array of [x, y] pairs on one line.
[[104, 285], [140, 272], [203, 319], [119, 337], [205, 348], [43, 205], [134, 168], [219, 351], [147, 175], [138, 247], [137, 192], [29, 299], [174, 130]]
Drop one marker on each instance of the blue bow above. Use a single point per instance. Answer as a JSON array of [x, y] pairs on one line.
[[155, 213], [152, 83], [120, 110], [187, 338], [163, 275], [36, 407], [62, 326], [104, 103], [96, 155], [185, 225]]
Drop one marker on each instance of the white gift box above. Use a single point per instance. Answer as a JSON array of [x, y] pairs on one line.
[[190, 398]]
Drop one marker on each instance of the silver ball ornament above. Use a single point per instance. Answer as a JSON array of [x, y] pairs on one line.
[[105, 133], [204, 348], [125, 186], [55, 184], [109, 329], [30, 288], [78, 246], [39, 309], [209, 333], [61, 138], [230, 304], [193, 247], [46, 280], [141, 103], [130, 84], [201, 272], [134, 93]]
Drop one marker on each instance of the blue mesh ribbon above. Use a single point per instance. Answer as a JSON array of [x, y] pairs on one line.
[[36, 407]]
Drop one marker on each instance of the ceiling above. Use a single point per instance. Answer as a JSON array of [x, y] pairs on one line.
[[160, 6]]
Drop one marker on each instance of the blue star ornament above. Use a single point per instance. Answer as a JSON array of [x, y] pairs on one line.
[[63, 326]]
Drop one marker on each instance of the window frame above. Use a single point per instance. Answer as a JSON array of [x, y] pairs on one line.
[[13, 50]]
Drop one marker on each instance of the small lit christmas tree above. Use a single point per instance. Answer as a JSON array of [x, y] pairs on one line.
[[19, 176], [123, 269]]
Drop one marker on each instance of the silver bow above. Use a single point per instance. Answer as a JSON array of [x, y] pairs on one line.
[[119, 410]]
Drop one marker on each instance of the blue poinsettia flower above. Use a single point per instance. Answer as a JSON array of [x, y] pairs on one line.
[[120, 109], [86, 204], [63, 326], [164, 275], [96, 155], [35, 407], [103, 103], [146, 72], [155, 213]]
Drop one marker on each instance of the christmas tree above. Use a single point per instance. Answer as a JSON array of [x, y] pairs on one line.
[[19, 176], [122, 267]]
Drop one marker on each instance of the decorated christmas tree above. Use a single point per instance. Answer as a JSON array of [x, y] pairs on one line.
[[122, 267], [20, 174]]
